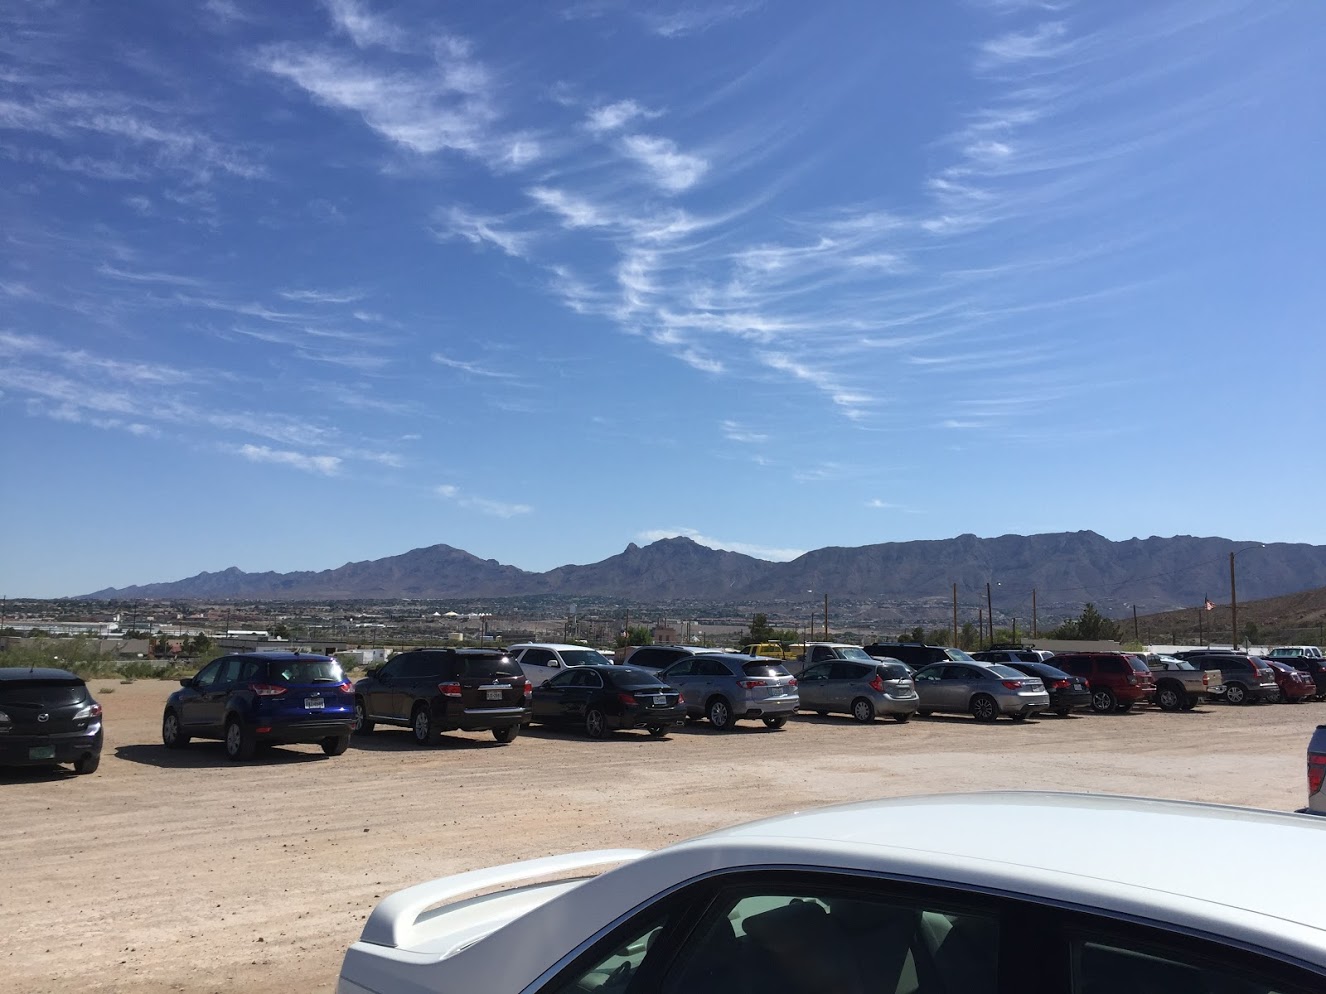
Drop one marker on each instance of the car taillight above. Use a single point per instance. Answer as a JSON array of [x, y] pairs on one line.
[[681, 698], [627, 699], [449, 689], [267, 689], [346, 687], [1316, 773], [1013, 684], [877, 684], [792, 684], [88, 711], [1206, 679], [752, 684], [529, 688], [1061, 685]]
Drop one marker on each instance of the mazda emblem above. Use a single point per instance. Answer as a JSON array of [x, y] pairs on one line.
[[43, 717]]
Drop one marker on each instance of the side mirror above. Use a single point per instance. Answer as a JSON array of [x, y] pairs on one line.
[[187, 682], [372, 671], [552, 663]]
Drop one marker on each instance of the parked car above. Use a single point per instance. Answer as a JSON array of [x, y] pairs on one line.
[[1295, 685], [914, 894], [773, 650], [823, 652], [541, 660], [48, 717], [983, 690], [1247, 679], [1297, 652], [263, 698], [431, 691], [1314, 667], [1066, 691], [658, 657], [1180, 685], [1317, 772], [727, 687], [863, 690], [916, 654], [1118, 680], [602, 697], [1012, 654]]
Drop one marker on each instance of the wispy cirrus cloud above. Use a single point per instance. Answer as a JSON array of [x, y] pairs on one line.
[[773, 553], [734, 431], [616, 115], [325, 465], [484, 505], [471, 368], [673, 170], [322, 296], [479, 229]]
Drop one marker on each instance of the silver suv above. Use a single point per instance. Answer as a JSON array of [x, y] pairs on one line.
[[862, 690], [983, 690], [728, 686]]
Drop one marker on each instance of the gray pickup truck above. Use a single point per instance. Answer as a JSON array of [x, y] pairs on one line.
[[1180, 685]]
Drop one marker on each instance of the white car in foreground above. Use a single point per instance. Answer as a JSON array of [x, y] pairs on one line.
[[998, 893]]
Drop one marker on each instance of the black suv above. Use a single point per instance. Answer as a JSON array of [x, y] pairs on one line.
[[916, 654], [432, 691], [48, 717]]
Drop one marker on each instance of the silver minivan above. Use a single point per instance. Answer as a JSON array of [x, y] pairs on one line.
[[982, 690], [862, 690], [729, 686]]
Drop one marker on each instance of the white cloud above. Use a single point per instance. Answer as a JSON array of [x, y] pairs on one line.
[[326, 465], [1044, 42], [736, 432], [745, 548], [365, 29], [610, 117], [322, 296], [484, 505], [473, 368], [695, 18], [672, 169], [574, 211], [477, 229]]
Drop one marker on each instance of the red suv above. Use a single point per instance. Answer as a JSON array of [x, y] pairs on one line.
[[1118, 680]]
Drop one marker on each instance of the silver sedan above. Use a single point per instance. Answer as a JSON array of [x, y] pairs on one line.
[[982, 690]]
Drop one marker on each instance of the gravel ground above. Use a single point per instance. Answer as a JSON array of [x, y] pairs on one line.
[[179, 871]]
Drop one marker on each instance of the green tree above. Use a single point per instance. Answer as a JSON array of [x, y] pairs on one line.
[[939, 636], [279, 631], [1252, 632], [968, 637], [200, 645], [760, 629], [635, 635], [1089, 625]]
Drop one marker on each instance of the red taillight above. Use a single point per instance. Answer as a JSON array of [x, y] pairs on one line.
[[681, 698], [1061, 685], [627, 699], [1206, 679], [752, 684], [529, 688], [1316, 773], [449, 689], [792, 684], [877, 684], [267, 689], [1013, 684], [346, 687]]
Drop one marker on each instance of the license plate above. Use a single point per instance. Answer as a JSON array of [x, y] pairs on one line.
[[660, 701], [494, 695], [314, 703], [41, 752]]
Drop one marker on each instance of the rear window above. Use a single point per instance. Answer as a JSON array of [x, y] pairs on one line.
[[893, 671], [958, 656], [637, 680], [999, 669], [764, 669], [481, 666], [1138, 664], [306, 671], [47, 693]]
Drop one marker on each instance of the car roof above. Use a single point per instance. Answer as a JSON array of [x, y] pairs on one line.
[[283, 655], [559, 646], [36, 673]]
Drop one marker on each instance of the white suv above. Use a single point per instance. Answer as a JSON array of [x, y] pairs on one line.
[[541, 660]]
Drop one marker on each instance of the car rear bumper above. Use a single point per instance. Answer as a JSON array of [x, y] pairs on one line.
[[645, 717], [483, 719], [1024, 703], [768, 707], [17, 750], [304, 731], [1070, 699], [886, 704]]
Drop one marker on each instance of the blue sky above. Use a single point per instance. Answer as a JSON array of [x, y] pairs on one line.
[[284, 286]]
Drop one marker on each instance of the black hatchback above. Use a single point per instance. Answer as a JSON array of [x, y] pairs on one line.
[[1066, 691], [47, 717], [601, 698], [431, 691]]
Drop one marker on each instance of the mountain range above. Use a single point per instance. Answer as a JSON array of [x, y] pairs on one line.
[[1066, 569]]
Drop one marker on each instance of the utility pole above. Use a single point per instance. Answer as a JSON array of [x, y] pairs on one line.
[[1015, 628], [1200, 639], [1033, 613], [1233, 604], [955, 614], [1136, 635], [989, 612], [826, 616], [810, 637], [980, 623]]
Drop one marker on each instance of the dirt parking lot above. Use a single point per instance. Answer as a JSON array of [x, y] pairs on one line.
[[182, 872]]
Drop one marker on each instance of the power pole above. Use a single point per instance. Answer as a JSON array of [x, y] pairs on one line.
[[1136, 635], [1233, 604], [1033, 613], [1200, 639], [980, 623], [826, 613], [955, 614], [989, 612], [1015, 628]]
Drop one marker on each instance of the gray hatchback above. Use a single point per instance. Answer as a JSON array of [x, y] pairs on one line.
[[724, 687], [983, 690], [862, 690]]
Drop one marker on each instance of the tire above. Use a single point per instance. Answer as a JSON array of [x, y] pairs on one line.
[[776, 722], [657, 731], [902, 717], [336, 744], [1236, 693], [1103, 700], [1123, 707], [241, 743], [1062, 712], [863, 710], [87, 763], [1170, 698], [1019, 717], [172, 733], [1189, 704], [362, 725], [924, 714], [822, 714], [719, 713], [423, 727], [983, 708], [596, 723], [506, 735]]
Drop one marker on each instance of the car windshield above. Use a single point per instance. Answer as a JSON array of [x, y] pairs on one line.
[[298, 671], [855, 652], [46, 693], [1000, 670], [765, 669], [894, 671], [958, 656], [585, 657]]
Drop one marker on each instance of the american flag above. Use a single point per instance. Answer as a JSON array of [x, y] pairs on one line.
[[1209, 605]]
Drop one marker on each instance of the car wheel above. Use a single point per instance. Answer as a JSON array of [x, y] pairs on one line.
[[241, 743], [507, 734], [719, 714], [1062, 712], [924, 714], [902, 717], [1190, 703], [596, 723], [421, 723], [1170, 698], [1103, 700], [362, 725], [336, 744], [776, 722], [1123, 707], [1236, 693], [1020, 717], [984, 708], [87, 763], [657, 731], [863, 711], [822, 714], [172, 735]]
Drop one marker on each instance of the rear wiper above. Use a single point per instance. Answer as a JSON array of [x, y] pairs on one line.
[[326, 679]]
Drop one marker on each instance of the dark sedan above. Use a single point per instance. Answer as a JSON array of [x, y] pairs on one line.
[[602, 698], [47, 717], [1066, 691]]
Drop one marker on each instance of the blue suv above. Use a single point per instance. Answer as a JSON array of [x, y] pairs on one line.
[[263, 698]]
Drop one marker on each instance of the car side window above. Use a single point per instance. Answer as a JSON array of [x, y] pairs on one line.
[[563, 679], [820, 672], [230, 671], [588, 678], [536, 657], [391, 669], [712, 667], [251, 671], [1107, 965], [846, 671], [208, 674], [644, 657]]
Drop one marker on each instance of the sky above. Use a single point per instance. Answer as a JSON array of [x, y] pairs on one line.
[[284, 286]]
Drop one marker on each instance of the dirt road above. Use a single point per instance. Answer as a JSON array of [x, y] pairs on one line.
[[183, 872]]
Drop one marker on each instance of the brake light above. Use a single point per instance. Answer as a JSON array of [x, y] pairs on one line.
[[88, 711], [877, 684], [449, 689], [627, 699], [1012, 684], [346, 687], [752, 684], [792, 683], [1206, 679], [1316, 773], [267, 689], [529, 688], [681, 698], [1061, 685]]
